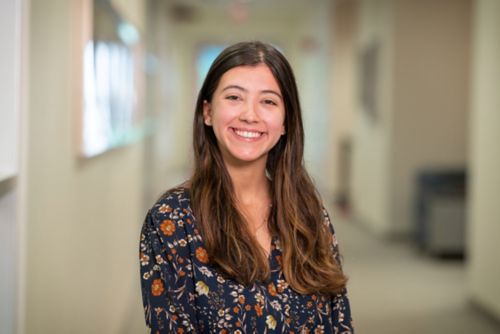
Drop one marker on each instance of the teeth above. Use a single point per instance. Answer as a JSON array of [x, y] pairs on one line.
[[247, 134]]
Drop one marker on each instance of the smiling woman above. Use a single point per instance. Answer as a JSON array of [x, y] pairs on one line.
[[245, 245], [247, 114]]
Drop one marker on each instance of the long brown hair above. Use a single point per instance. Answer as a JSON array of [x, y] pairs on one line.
[[297, 215]]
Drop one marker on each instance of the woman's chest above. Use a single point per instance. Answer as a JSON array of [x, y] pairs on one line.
[[223, 305]]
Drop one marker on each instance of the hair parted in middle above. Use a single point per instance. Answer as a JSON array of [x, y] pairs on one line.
[[297, 216]]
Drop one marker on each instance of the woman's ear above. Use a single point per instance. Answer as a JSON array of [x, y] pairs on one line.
[[207, 113]]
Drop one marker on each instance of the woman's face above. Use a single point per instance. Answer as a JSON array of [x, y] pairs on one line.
[[247, 114]]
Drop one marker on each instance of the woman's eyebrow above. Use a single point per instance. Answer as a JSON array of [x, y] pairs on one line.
[[265, 91], [270, 91], [236, 87]]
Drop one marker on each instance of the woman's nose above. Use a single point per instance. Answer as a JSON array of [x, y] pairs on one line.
[[250, 113]]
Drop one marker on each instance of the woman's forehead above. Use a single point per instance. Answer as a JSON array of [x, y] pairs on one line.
[[249, 78]]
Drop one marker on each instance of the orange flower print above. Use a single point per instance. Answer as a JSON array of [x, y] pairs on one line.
[[157, 287], [167, 227], [272, 289], [258, 310], [202, 255], [175, 248]]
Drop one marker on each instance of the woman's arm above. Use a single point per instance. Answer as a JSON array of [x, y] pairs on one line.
[[341, 309], [341, 314], [167, 290]]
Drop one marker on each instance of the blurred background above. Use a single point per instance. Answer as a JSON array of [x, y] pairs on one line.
[[402, 114]]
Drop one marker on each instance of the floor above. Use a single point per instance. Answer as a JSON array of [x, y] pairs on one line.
[[395, 289]]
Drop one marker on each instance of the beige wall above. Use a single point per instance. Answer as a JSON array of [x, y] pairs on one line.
[[421, 103], [166, 165], [484, 218], [371, 155], [343, 92], [83, 217], [431, 96]]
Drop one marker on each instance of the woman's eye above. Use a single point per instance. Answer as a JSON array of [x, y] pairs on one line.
[[232, 97], [271, 102]]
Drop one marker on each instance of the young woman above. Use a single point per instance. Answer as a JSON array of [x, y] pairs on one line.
[[245, 246]]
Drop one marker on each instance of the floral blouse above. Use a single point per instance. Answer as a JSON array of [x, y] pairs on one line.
[[183, 293]]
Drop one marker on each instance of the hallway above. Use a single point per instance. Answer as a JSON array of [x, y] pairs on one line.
[[395, 290], [388, 89]]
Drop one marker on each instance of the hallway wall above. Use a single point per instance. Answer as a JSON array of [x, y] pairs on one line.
[[417, 119], [484, 217], [12, 30], [431, 96], [372, 129], [83, 216], [343, 94]]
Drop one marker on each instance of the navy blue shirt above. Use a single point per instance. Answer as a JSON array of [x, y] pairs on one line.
[[183, 293]]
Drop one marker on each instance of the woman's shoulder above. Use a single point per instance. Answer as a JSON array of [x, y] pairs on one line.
[[172, 203], [170, 217]]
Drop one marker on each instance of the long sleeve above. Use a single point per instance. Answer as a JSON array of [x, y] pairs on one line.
[[341, 309], [167, 291], [341, 314]]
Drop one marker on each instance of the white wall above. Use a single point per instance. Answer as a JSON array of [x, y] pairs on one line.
[[83, 217], [372, 138], [313, 68], [11, 38], [484, 218]]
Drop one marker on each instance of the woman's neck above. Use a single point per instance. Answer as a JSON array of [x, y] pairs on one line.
[[253, 196], [250, 183]]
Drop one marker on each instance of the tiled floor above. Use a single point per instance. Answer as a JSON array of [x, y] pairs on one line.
[[394, 289]]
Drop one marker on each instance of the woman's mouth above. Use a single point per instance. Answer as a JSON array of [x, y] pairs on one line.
[[247, 134]]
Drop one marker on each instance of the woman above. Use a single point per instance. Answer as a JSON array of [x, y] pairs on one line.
[[245, 245]]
